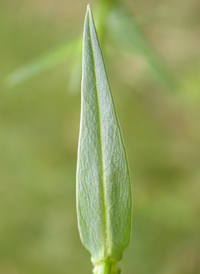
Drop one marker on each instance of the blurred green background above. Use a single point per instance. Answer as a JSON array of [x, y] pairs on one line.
[[39, 123]]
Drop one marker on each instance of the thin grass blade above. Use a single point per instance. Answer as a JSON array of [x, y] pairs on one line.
[[124, 30], [43, 63]]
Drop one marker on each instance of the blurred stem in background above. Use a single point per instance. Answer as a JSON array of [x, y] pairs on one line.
[[112, 17], [103, 8]]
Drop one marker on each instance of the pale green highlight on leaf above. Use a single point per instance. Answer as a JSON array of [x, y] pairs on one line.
[[103, 182]]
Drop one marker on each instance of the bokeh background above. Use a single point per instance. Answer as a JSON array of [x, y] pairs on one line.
[[39, 124]]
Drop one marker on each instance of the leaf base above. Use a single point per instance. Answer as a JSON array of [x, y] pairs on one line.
[[106, 268]]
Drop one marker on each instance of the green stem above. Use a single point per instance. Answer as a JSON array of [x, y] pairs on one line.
[[102, 9], [104, 268]]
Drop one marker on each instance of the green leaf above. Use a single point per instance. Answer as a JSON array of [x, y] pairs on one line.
[[103, 182], [123, 28], [44, 62]]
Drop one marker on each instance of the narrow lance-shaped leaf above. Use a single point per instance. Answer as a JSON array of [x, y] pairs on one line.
[[103, 182]]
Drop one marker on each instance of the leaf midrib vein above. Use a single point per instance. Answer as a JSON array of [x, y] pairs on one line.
[[101, 155]]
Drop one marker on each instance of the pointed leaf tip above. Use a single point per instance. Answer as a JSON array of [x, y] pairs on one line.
[[88, 9], [103, 182]]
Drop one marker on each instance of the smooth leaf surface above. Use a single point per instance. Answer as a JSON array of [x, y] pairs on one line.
[[103, 182]]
